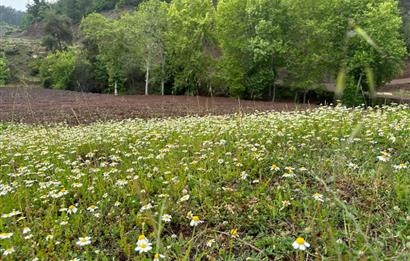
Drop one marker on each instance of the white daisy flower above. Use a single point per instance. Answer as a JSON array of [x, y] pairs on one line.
[[143, 247], [166, 218], [300, 244], [26, 230], [318, 197], [210, 242], [195, 221], [92, 208], [142, 239], [5, 235], [184, 198], [288, 175], [8, 251], [146, 207], [11, 214], [72, 209], [83, 241], [274, 167], [400, 166], [158, 256]]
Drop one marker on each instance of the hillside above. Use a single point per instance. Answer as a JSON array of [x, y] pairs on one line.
[[7, 29], [20, 53]]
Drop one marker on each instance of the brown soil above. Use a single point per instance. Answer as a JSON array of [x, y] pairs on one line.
[[395, 88], [37, 105]]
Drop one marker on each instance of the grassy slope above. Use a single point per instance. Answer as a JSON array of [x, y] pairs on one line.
[[351, 157], [19, 53], [6, 29]]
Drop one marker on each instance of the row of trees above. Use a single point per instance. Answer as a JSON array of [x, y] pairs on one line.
[[242, 47], [10, 16]]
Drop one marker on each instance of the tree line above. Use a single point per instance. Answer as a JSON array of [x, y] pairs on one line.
[[10, 16], [240, 48]]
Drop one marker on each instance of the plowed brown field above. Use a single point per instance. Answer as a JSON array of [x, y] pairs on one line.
[[37, 105]]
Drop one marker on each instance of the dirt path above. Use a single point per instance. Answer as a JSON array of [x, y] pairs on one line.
[[37, 105]]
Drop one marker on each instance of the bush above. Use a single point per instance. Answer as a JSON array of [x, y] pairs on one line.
[[352, 95], [4, 71], [83, 77], [35, 65], [57, 69]]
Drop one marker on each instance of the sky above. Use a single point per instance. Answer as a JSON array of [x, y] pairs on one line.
[[16, 4]]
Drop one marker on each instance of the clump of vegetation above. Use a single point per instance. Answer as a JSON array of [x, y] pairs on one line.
[[270, 186], [57, 31], [4, 71], [57, 68]]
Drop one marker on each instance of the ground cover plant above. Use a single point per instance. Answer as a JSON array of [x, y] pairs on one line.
[[327, 183]]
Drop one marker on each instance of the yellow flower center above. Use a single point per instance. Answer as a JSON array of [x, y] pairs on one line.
[[195, 218], [300, 240], [83, 240], [274, 166], [62, 190], [143, 245], [156, 256], [71, 207], [4, 234], [234, 232], [141, 237]]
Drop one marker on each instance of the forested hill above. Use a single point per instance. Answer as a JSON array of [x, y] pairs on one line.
[[11, 16], [77, 9], [405, 5]]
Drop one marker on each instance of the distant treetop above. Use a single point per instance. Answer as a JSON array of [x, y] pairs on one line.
[[11, 16]]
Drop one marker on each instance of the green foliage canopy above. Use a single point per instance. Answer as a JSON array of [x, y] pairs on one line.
[[58, 31], [191, 44], [57, 68], [4, 71], [248, 45]]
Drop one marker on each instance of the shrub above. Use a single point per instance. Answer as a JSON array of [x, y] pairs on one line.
[[57, 69], [352, 95], [83, 77], [4, 71]]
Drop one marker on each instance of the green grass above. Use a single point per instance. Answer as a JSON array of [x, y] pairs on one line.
[[351, 157]]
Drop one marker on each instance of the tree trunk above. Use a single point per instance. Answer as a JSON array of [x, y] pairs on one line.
[[115, 88], [274, 75], [274, 92], [147, 78], [163, 74]]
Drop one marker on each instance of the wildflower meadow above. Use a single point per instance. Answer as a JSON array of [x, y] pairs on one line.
[[329, 183]]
